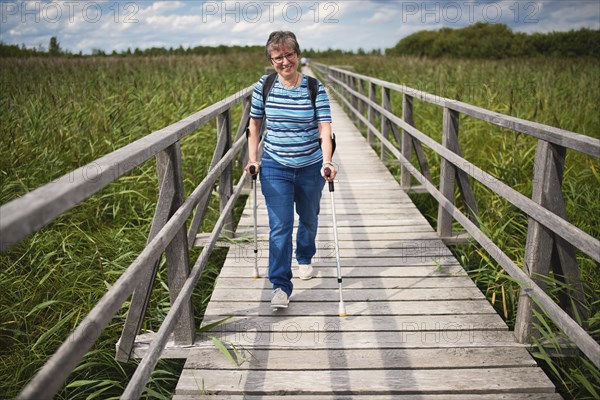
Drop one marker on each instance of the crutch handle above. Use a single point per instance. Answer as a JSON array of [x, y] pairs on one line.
[[252, 170], [327, 172]]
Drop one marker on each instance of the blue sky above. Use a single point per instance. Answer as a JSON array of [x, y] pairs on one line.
[[349, 25]]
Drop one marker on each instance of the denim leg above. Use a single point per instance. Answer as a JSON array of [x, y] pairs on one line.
[[277, 184], [308, 188]]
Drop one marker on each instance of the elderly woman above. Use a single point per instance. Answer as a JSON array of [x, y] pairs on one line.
[[297, 149]]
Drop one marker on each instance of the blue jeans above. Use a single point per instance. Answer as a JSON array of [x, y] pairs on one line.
[[283, 187]]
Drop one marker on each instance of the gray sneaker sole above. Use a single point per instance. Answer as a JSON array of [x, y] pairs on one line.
[[276, 306]]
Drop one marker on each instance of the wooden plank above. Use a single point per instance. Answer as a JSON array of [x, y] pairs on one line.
[[376, 238], [422, 323], [495, 396], [353, 308], [438, 262], [352, 283], [388, 359], [354, 229], [354, 221], [355, 272], [350, 382], [222, 293]]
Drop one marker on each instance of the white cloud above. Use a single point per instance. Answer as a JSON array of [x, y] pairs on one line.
[[319, 25]]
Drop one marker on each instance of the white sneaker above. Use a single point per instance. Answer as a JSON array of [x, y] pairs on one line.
[[305, 271], [280, 299]]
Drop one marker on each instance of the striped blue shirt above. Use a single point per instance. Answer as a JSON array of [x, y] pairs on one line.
[[292, 134]]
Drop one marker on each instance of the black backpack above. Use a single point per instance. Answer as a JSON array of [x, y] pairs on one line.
[[313, 89]]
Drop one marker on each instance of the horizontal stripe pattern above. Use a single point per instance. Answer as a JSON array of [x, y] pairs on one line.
[[292, 137]]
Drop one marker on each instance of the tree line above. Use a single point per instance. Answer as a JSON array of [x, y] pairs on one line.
[[496, 41], [54, 49], [480, 40]]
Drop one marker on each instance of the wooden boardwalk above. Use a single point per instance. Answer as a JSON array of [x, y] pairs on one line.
[[417, 326]]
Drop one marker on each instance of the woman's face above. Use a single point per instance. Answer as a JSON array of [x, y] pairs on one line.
[[285, 61]]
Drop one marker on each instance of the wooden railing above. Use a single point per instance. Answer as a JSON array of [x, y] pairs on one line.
[[168, 234], [548, 228]]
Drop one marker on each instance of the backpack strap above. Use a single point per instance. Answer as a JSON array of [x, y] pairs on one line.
[[267, 86], [313, 89]]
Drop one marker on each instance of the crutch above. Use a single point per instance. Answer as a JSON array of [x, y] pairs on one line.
[[342, 308], [252, 170]]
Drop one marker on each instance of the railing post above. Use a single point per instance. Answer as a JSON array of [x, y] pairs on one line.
[[386, 104], [353, 85], [543, 248], [371, 115], [360, 88], [226, 179], [407, 143], [177, 255], [447, 171], [170, 182]]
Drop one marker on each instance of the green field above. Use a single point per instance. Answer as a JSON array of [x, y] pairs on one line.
[[59, 114]]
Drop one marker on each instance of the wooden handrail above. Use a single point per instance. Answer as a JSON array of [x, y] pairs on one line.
[[545, 217], [29, 213], [571, 140], [571, 233], [48, 380]]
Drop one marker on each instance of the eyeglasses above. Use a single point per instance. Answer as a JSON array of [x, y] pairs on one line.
[[289, 56]]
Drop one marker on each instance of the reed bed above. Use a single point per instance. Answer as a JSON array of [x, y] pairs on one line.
[[60, 114]]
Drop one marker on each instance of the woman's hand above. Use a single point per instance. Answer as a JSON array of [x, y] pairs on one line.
[[252, 168], [332, 171]]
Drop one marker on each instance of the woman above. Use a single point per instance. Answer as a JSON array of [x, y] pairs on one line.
[[293, 162]]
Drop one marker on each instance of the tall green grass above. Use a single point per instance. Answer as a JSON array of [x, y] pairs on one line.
[[57, 115], [560, 93]]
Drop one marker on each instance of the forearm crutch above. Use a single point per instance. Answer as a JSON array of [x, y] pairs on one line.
[[342, 308], [252, 170]]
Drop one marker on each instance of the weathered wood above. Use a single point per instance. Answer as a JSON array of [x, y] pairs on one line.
[[352, 382], [397, 264], [582, 143], [569, 232], [387, 359], [371, 115], [49, 378], [482, 396], [356, 272], [35, 209], [447, 171], [318, 326], [176, 253], [223, 293], [226, 180], [542, 246], [406, 143], [220, 149], [384, 123], [353, 283], [141, 295], [138, 381], [354, 309], [241, 131]]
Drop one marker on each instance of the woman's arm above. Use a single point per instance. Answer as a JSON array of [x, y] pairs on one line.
[[253, 141]]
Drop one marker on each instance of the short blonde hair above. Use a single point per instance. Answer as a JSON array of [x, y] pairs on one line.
[[279, 38]]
